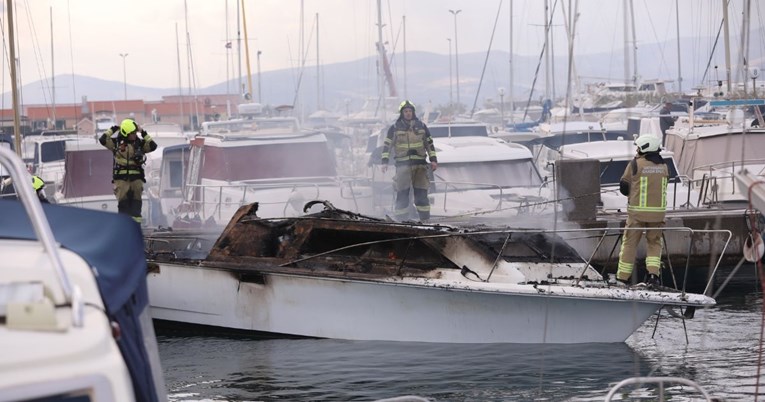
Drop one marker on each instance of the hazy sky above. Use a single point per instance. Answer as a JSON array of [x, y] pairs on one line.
[[89, 35]]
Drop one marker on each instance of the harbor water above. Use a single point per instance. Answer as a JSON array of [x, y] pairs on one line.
[[721, 355]]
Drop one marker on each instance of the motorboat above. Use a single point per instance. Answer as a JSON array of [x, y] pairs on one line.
[[710, 152], [614, 156], [266, 160], [485, 177], [73, 304], [337, 274]]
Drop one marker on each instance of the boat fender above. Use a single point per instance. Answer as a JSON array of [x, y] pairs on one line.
[[754, 248]]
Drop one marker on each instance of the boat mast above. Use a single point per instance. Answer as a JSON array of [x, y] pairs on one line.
[[318, 68], [744, 48], [247, 51], [14, 86], [406, 96], [381, 54], [727, 46], [677, 25], [180, 78], [547, 49], [625, 25], [510, 87], [228, 51], [52, 71], [634, 46], [239, 50]]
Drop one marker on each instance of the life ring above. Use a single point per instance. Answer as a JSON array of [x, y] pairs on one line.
[[754, 248]]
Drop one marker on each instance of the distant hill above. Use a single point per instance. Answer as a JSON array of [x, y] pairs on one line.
[[428, 77]]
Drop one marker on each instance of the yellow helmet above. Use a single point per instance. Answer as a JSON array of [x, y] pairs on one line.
[[405, 104], [37, 183], [127, 127]]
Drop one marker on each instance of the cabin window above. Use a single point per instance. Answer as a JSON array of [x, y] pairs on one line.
[[176, 174]]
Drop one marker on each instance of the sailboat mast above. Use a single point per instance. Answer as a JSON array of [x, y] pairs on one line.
[[247, 51], [381, 54], [510, 87], [625, 31], [239, 50], [677, 25], [52, 71], [318, 68], [228, 53], [547, 49], [180, 83], [406, 96], [727, 46], [634, 45], [14, 86]]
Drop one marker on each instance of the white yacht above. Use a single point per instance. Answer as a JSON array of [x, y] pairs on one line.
[[74, 323]]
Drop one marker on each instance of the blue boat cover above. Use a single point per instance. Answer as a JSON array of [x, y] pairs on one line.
[[113, 245]]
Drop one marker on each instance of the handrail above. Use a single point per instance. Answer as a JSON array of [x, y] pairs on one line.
[[660, 381], [42, 230]]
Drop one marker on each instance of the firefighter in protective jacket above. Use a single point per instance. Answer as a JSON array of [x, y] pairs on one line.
[[645, 183], [414, 152], [129, 157]]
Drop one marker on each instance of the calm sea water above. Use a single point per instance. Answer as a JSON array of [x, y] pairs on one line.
[[722, 356]]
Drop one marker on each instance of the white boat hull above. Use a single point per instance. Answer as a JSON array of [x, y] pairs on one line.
[[392, 310]]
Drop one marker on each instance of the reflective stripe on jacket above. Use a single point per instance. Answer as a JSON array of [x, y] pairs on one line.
[[411, 143], [647, 189]]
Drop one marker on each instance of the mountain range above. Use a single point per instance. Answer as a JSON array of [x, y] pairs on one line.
[[347, 84]]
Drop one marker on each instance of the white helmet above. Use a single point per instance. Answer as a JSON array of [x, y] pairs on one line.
[[648, 143]]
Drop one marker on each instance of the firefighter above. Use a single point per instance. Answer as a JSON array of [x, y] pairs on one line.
[[129, 157], [645, 183], [414, 152], [6, 187], [38, 185]]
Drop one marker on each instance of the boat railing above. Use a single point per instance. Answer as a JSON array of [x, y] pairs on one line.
[[661, 381], [582, 233], [692, 233], [718, 179], [236, 194], [42, 230], [525, 202]]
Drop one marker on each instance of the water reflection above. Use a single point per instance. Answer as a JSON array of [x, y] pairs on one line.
[[721, 356], [312, 369]]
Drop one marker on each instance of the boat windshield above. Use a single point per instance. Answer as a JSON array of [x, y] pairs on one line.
[[507, 173], [268, 161], [611, 171]]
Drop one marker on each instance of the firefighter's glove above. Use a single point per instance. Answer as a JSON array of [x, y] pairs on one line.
[[143, 133], [103, 138], [114, 129]]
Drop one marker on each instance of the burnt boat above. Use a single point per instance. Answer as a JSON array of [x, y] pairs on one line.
[[338, 274]]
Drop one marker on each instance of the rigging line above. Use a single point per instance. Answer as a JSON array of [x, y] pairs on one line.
[[302, 65], [712, 53], [486, 60], [663, 64], [539, 63], [44, 83]]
